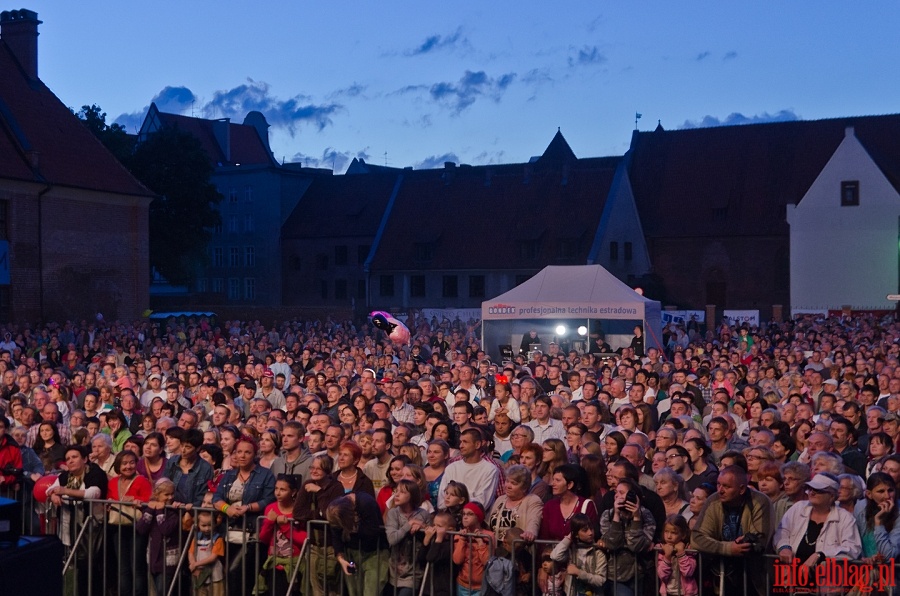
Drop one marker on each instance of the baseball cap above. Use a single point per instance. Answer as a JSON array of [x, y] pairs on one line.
[[823, 481]]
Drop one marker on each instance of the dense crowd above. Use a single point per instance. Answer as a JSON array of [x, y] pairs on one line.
[[572, 473]]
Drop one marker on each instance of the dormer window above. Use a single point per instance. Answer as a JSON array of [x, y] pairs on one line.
[[850, 193]]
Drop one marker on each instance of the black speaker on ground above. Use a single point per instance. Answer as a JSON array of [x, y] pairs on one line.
[[10, 522], [33, 566]]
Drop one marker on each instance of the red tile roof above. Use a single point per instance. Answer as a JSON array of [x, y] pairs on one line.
[[37, 129], [736, 180], [246, 146], [342, 206], [514, 216]]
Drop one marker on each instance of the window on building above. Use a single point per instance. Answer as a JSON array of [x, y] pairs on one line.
[[613, 251], [476, 286], [217, 229], [361, 289], [386, 284], [249, 256], [323, 289], [250, 288], [5, 303], [232, 223], [340, 288], [234, 257], [628, 251], [340, 255], [417, 286], [219, 256], [233, 195], [362, 253], [451, 286], [850, 193], [248, 194], [202, 285], [234, 288], [218, 285], [321, 262], [248, 223], [4, 220]]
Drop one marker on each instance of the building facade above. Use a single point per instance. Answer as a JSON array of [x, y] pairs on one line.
[[74, 228]]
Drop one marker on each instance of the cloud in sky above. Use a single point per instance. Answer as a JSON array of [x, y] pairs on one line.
[[235, 103], [434, 43], [436, 161], [737, 118], [331, 158], [586, 56], [703, 55], [173, 100], [730, 55], [459, 95]]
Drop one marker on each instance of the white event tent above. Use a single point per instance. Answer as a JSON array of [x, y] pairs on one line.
[[580, 301]]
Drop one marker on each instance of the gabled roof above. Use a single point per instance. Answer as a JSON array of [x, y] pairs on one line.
[[736, 180], [341, 206], [514, 216], [557, 152], [41, 140], [247, 148]]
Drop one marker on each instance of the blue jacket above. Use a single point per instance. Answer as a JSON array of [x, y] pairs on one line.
[[259, 488]]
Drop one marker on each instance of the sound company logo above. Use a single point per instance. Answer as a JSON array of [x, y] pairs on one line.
[[502, 309]]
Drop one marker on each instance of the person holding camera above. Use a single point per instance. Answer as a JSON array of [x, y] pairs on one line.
[[735, 522], [627, 531]]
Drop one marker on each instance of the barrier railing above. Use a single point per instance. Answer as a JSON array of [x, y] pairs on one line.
[[103, 557]]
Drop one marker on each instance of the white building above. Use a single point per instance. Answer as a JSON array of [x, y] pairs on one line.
[[844, 234]]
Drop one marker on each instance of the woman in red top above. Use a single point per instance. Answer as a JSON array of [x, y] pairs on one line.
[[568, 485], [130, 547]]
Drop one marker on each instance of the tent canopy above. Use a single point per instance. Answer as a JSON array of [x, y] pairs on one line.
[[586, 292]]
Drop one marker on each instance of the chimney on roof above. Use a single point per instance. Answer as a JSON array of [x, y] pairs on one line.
[[19, 30], [222, 132], [849, 132]]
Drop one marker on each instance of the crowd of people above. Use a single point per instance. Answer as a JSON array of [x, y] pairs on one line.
[[559, 472]]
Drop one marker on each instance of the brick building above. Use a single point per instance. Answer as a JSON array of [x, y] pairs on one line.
[[74, 236]]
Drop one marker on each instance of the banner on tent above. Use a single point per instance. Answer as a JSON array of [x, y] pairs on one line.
[[535, 310], [739, 317], [681, 317]]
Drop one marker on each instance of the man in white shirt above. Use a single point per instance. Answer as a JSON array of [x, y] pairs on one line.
[[480, 476], [543, 426]]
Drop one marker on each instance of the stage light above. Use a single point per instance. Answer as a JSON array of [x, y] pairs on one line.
[[582, 331], [560, 330]]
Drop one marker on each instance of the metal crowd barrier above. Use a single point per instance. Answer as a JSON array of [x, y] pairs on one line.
[[104, 558]]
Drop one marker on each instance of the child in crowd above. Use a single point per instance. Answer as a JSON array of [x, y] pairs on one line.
[[586, 569], [162, 524], [675, 566], [550, 578], [204, 553], [436, 552], [283, 539], [515, 547], [402, 523], [456, 495], [471, 553]]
